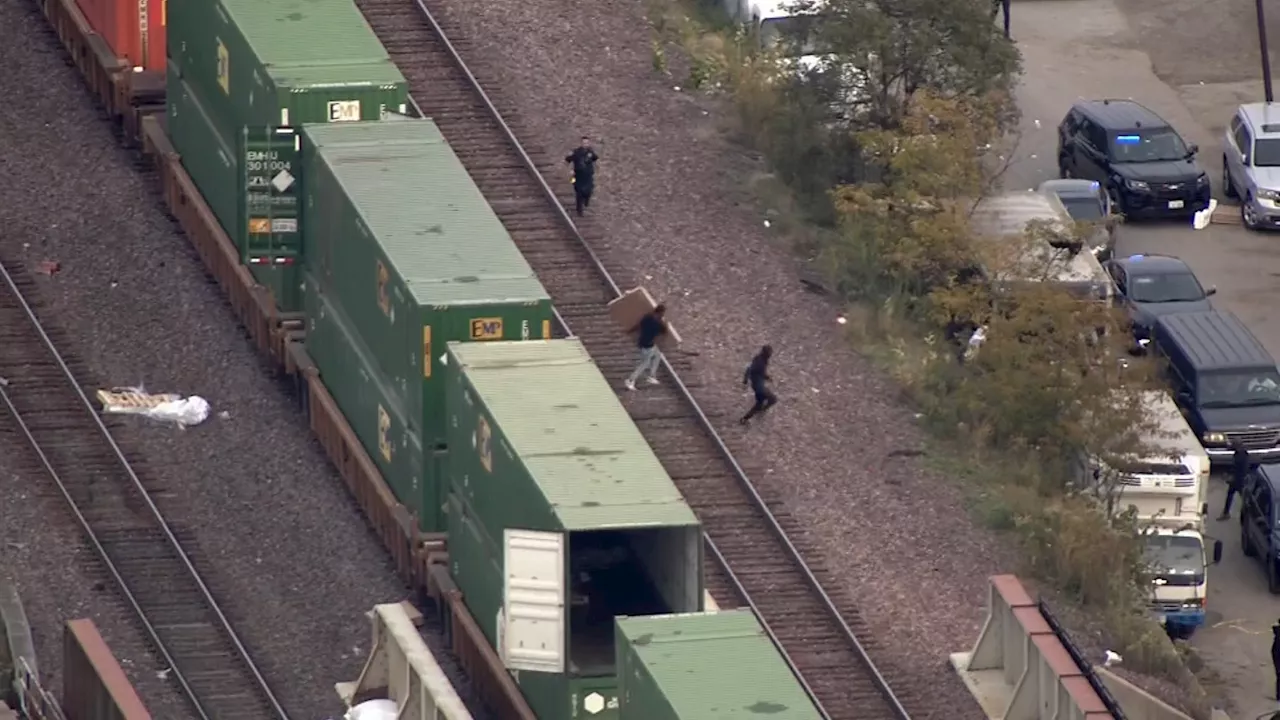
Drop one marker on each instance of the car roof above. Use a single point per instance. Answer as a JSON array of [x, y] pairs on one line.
[[1152, 264], [1263, 119], [1215, 340], [1120, 114], [1071, 187]]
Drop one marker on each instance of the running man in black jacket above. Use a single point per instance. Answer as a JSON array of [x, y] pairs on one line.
[[756, 376], [1275, 654], [583, 159]]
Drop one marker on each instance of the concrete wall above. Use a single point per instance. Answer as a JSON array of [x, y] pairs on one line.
[[1137, 703]]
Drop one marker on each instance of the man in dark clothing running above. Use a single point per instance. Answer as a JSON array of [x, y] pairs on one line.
[[756, 376], [583, 159], [1275, 654], [996, 7], [1240, 466], [650, 328]]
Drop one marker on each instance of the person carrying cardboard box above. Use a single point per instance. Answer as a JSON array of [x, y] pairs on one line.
[[652, 326]]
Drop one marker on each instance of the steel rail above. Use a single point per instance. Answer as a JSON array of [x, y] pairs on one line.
[[707, 426], [176, 671]]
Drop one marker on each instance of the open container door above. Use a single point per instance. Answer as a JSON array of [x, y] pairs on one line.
[[533, 610]]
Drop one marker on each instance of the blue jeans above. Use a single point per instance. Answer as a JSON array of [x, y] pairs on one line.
[[649, 358]]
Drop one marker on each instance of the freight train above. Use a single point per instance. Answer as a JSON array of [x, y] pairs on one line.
[[491, 455]]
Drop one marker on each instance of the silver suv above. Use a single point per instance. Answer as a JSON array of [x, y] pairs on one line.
[[1251, 164]]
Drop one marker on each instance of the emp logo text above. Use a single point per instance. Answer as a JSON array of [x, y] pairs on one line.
[[486, 329]]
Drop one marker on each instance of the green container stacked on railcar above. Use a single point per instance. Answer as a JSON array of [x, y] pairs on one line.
[[242, 73], [704, 665], [403, 249], [560, 518]]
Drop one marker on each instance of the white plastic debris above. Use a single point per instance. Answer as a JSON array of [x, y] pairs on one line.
[[842, 320], [1205, 216], [373, 710], [1037, 124], [165, 407], [1112, 659], [185, 412], [768, 224]]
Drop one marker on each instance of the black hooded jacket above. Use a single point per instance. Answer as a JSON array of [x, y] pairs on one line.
[[1275, 645]]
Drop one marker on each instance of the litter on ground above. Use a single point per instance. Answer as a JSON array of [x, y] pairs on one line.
[[165, 407]]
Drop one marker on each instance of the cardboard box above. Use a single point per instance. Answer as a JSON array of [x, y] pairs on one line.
[[634, 304]]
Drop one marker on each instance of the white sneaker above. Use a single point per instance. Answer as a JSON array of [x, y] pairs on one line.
[[651, 380], [630, 384]]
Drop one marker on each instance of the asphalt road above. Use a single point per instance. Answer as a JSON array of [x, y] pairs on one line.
[[1093, 48]]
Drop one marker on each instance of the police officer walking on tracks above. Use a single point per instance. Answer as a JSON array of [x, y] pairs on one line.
[[1240, 465], [756, 376], [583, 159], [651, 327]]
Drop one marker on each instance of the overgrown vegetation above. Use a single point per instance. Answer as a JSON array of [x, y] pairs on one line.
[[887, 121]]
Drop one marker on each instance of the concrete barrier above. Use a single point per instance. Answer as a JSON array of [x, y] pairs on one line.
[[402, 669], [1020, 668], [1138, 704]]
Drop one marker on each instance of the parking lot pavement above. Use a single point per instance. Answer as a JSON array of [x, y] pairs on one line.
[[1088, 49]]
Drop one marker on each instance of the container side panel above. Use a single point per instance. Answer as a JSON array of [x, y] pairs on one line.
[[206, 154], [483, 470], [475, 564], [547, 695], [639, 697], [360, 392]]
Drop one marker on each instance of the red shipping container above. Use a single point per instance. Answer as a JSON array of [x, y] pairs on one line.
[[134, 29]]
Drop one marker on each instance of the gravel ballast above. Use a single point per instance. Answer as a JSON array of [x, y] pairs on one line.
[[273, 531], [670, 201]]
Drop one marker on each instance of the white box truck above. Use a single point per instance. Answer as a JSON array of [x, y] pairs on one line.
[[1168, 493]]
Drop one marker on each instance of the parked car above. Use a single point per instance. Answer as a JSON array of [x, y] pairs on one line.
[[1138, 157], [1151, 286], [1260, 521], [1224, 381], [1086, 201], [1251, 164]]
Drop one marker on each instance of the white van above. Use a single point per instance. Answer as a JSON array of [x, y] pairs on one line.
[[1061, 261]]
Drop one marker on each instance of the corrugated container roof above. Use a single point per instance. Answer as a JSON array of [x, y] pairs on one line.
[[717, 665], [291, 32], [560, 416], [428, 215]]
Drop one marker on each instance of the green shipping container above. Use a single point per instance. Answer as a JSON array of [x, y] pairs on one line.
[[561, 517], [362, 393], [248, 178], [704, 666], [398, 233], [284, 62]]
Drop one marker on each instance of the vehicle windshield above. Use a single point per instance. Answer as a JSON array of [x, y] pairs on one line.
[[1174, 554], [1163, 288], [793, 31], [1266, 152], [1259, 387], [1083, 208], [1153, 146]]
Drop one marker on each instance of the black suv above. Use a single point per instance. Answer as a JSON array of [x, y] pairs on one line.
[[1226, 384], [1260, 520], [1137, 156]]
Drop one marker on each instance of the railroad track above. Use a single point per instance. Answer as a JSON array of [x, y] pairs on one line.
[[44, 406], [761, 566]]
